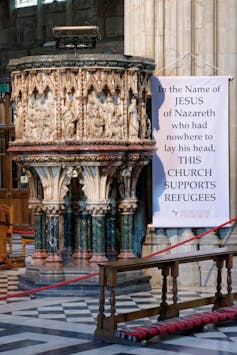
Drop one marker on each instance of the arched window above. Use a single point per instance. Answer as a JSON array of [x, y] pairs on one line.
[[25, 3], [48, 1]]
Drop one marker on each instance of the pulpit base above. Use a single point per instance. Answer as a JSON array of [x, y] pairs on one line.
[[40, 276]]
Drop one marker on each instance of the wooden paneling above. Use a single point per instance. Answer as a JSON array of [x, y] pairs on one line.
[[12, 191]]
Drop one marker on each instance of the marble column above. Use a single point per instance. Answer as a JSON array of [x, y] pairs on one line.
[[68, 231], [111, 251], [98, 211], [54, 259], [82, 245], [40, 254], [126, 210]]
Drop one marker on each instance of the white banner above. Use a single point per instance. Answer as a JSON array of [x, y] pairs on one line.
[[190, 166]]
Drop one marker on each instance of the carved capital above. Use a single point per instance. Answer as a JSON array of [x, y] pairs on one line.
[[35, 205], [97, 208], [55, 180], [79, 207], [52, 208], [127, 206]]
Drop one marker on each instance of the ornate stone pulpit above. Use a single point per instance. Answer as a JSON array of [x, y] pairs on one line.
[[83, 135]]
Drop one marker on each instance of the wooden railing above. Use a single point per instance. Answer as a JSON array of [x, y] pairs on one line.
[[169, 265]]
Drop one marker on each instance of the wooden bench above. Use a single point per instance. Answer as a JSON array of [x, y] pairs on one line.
[[7, 260], [5, 231], [168, 320], [27, 236]]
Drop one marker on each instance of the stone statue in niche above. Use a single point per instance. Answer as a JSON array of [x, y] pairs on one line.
[[95, 119], [108, 115], [133, 120], [69, 119], [48, 122], [31, 131], [117, 121], [148, 128], [143, 120], [19, 120]]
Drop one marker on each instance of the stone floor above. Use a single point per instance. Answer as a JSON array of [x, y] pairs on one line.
[[65, 325]]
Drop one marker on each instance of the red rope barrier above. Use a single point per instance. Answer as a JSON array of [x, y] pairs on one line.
[[190, 239], [62, 283], [84, 277]]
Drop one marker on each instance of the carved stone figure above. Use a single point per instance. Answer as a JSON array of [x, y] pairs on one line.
[[31, 131], [48, 122], [69, 120], [95, 119], [19, 120], [109, 115], [116, 128], [45, 119], [133, 122], [148, 128], [143, 120]]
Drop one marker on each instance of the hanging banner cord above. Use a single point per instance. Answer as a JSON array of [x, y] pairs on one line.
[[193, 57]]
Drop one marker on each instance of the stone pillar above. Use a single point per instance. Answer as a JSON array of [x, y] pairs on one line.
[[82, 233], [204, 22], [226, 60], [155, 240], [98, 211], [208, 272], [54, 259], [191, 38], [68, 231], [111, 251], [126, 210], [187, 276], [40, 254], [139, 19]]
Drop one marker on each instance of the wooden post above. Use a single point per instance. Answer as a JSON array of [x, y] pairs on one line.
[[164, 304]]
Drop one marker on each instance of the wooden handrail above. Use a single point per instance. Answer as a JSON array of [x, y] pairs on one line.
[[169, 265], [187, 257]]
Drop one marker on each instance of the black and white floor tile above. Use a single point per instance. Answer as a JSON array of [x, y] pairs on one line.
[[66, 325]]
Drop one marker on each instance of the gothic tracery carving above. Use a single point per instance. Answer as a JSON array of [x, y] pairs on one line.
[[71, 104]]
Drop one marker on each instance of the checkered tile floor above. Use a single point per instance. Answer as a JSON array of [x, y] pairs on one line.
[[78, 309], [65, 325]]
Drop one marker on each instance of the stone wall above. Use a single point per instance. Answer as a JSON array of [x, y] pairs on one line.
[[28, 30], [188, 37]]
